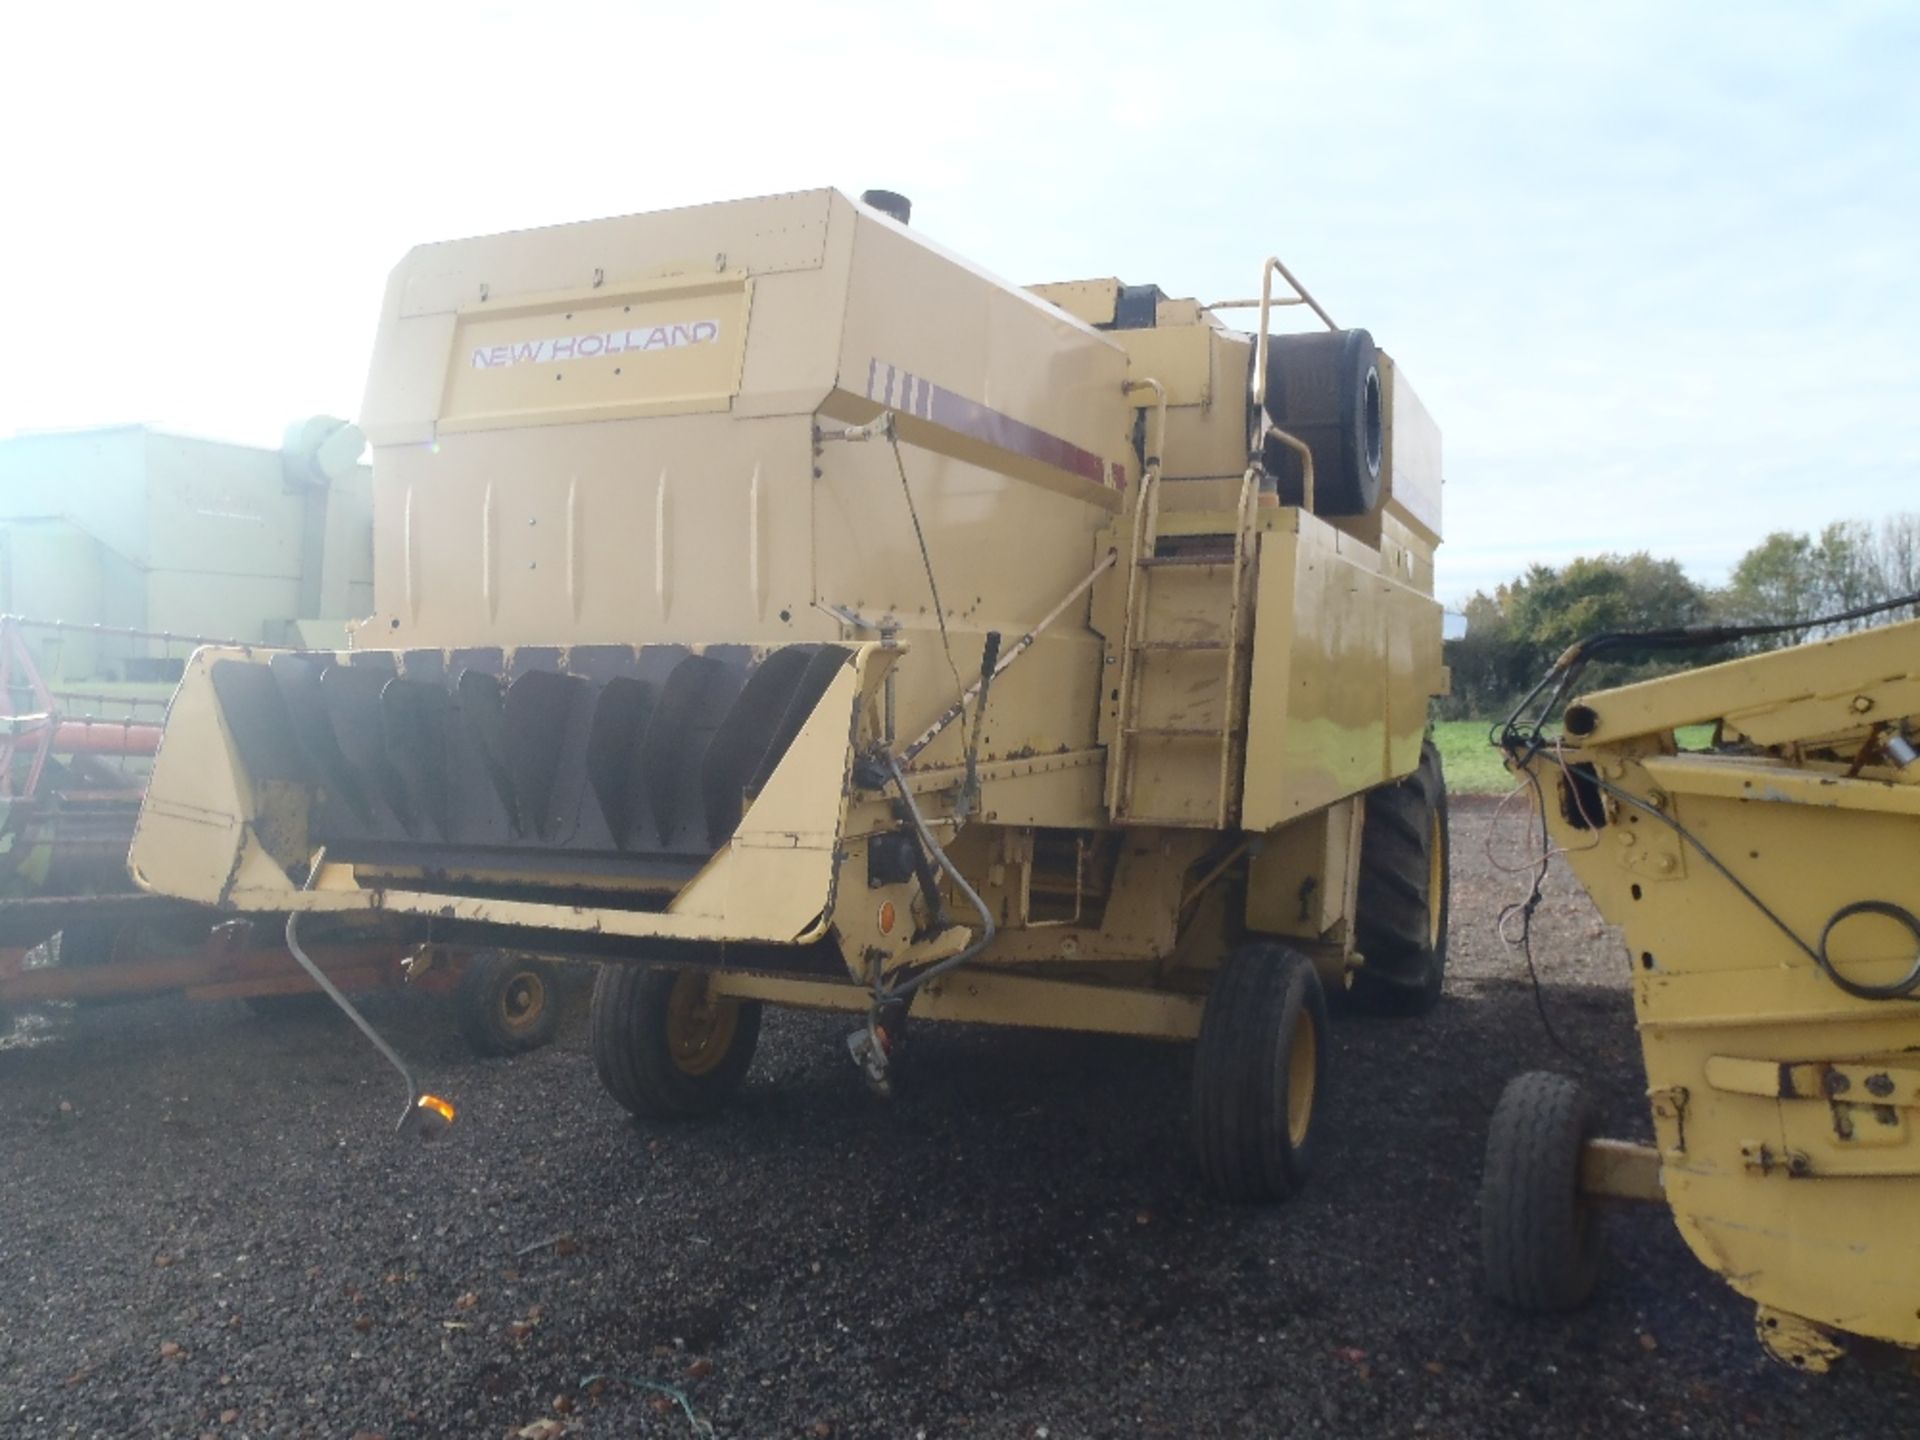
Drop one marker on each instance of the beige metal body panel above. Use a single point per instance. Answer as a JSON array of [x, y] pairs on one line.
[[980, 370], [1300, 880], [1344, 659], [1411, 465], [661, 530], [985, 997], [1090, 301]]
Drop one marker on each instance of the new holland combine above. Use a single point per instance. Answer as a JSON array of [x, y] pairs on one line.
[[783, 612], [1767, 891]]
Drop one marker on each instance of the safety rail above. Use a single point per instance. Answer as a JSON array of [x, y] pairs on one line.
[[1258, 388]]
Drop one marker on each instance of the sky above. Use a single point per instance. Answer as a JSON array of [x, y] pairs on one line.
[[1652, 267]]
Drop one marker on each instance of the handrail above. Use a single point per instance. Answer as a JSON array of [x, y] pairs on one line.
[[1258, 388], [1145, 523], [1155, 451], [1299, 446], [1266, 308]]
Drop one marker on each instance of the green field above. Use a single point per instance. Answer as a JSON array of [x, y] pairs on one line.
[[1474, 767]]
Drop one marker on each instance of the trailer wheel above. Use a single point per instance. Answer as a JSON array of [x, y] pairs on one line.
[[665, 1047], [507, 1004], [1400, 909], [1539, 1236], [1257, 1073]]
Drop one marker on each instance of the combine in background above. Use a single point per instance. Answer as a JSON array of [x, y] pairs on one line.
[[145, 545]]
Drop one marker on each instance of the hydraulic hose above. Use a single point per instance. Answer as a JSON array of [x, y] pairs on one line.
[[933, 848]]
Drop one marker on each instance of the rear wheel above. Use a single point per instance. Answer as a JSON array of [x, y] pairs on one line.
[[665, 1046], [507, 1004], [1539, 1237], [1257, 1073], [1400, 909]]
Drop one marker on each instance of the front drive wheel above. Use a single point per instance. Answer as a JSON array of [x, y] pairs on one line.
[[1400, 909], [1257, 1074], [1539, 1238], [507, 1004], [665, 1046]]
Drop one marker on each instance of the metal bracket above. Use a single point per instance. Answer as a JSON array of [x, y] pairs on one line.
[[1670, 1118]]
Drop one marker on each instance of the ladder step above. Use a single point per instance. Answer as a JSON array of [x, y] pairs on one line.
[[1212, 732], [1188, 562], [1214, 645]]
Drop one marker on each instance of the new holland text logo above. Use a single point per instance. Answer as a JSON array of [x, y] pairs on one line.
[[599, 344]]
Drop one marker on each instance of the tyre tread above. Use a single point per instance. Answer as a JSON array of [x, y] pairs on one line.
[[1391, 901], [628, 1029], [1538, 1245], [1239, 1117]]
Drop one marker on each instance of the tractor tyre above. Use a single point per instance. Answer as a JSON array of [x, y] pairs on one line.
[[1400, 908], [1324, 389], [1539, 1236], [507, 1004], [1258, 1072], [664, 1046]]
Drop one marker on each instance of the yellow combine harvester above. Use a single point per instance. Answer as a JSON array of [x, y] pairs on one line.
[[776, 606], [1768, 893]]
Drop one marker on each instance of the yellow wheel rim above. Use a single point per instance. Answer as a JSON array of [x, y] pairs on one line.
[[1436, 878], [700, 1027], [523, 1000], [1302, 1075]]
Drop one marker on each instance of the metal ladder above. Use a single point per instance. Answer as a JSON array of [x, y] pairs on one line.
[[1123, 756], [1144, 563]]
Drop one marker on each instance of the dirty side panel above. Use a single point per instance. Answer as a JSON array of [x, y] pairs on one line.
[[1336, 705]]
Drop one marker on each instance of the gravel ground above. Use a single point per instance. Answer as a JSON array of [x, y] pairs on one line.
[[207, 1229]]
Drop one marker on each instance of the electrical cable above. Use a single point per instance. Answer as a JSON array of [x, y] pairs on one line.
[[1901, 989], [1524, 909], [926, 561]]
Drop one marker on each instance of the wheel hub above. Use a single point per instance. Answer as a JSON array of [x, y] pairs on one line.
[[523, 1000], [1303, 1072], [700, 1027]]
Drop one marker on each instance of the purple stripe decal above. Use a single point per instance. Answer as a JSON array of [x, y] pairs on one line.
[[898, 390]]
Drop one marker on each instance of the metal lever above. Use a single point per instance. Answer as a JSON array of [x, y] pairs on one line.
[[426, 1115], [970, 788]]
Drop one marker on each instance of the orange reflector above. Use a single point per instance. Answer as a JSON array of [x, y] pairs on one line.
[[887, 917], [437, 1106]]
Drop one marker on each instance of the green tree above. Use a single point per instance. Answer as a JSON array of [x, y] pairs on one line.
[[1773, 583], [1517, 632], [1789, 578]]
